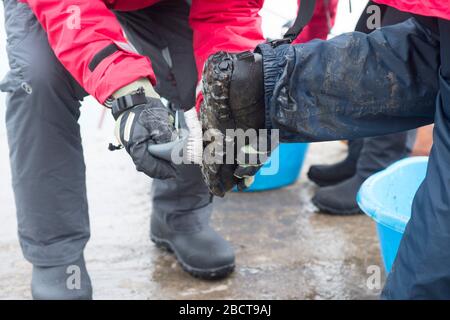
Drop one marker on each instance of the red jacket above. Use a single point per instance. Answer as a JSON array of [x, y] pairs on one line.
[[321, 23], [232, 25], [432, 8]]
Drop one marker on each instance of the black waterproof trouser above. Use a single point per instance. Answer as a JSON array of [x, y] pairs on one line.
[[360, 85]]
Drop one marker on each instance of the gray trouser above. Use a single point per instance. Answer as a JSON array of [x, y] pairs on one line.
[[46, 155]]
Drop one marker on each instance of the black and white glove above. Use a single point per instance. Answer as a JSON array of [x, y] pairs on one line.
[[140, 122]]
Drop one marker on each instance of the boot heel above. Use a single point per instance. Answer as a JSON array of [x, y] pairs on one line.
[[161, 244]]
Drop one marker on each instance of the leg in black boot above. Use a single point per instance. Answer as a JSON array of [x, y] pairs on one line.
[[327, 175], [376, 154], [182, 209]]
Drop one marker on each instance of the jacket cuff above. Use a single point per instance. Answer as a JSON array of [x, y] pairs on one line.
[[121, 70], [273, 63]]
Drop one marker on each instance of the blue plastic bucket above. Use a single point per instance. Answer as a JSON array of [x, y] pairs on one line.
[[387, 198], [282, 169]]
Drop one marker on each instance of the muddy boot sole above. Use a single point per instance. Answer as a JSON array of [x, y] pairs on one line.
[[217, 73], [216, 117], [204, 274]]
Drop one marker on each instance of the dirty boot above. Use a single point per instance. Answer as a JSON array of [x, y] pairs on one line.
[[199, 249], [182, 209], [327, 175], [339, 199], [66, 282], [233, 92]]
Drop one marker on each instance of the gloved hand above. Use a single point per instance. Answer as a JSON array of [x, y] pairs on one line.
[[141, 120]]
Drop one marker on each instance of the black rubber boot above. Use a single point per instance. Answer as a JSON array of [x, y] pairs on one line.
[[233, 92], [199, 249], [182, 208], [327, 175], [339, 199], [66, 282]]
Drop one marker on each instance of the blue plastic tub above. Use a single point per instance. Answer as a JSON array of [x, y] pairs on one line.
[[387, 197], [282, 169]]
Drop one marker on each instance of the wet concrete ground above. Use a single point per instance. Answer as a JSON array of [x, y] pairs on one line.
[[285, 250]]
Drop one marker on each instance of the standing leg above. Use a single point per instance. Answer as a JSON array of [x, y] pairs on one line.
[[48, 172], [380, 152], [182, 206], [377, 154], [328, 175], [422, 267]]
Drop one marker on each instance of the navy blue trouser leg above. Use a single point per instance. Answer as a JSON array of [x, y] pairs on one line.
[[422, 267], [354, 85], [379, 152]]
